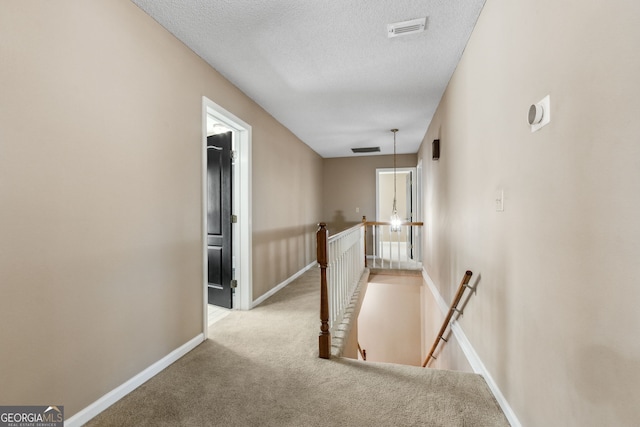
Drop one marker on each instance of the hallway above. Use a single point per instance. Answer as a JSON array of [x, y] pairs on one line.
[[260, 367]]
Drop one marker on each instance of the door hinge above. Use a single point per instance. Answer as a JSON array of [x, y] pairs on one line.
[[234, 284], [234, 219], [233, 154]]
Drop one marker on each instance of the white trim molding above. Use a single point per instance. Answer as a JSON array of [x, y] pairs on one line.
[[271, 292], [470, 353], [121, 391]]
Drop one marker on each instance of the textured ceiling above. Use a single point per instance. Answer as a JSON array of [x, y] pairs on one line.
[[326, 69]]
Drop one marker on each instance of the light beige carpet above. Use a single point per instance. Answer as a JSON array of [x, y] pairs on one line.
[[260, 368]]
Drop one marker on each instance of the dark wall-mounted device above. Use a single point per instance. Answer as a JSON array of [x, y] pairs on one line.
[[435, 149]]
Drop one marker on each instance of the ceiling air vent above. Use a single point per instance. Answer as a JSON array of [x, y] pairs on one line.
[[366, 150], [406, 27]]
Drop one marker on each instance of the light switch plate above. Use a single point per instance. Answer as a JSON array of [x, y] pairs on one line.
[[500, 200]]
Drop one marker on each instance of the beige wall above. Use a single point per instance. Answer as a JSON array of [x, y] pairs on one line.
[[287, 192], [388, 324], [100, 189], [350, 183], [555, 319]]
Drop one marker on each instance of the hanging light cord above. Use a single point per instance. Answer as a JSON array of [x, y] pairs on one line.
[[395, 210]]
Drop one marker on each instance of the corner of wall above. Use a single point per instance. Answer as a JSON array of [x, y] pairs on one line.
[[91, 411]]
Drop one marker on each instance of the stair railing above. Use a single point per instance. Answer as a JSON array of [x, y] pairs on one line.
[[464, 284], [392, 246], [341, 266]]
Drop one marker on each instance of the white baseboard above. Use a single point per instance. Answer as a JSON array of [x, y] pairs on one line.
[[470, 353], [121, 391], [271, 292]]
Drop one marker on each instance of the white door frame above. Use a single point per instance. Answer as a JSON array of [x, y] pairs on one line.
[[241, 205], [390, 170], [415, 189], [419, 210]]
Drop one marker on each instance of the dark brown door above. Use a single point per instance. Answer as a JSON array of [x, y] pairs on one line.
[[219, 220]]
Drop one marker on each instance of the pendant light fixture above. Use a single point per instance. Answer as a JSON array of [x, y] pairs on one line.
[[395, 218]]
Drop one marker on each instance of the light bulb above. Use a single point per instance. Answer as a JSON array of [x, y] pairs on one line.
[[395, 222]]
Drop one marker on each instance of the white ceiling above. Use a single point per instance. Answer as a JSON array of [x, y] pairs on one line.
[[326, 69]]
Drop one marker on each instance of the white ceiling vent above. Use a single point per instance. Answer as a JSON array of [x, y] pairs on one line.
[[406, 27]]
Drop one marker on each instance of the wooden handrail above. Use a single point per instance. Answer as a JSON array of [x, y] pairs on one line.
[[414, 224], [324, 339], [343, 232], [372, 223], [454, 305]]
